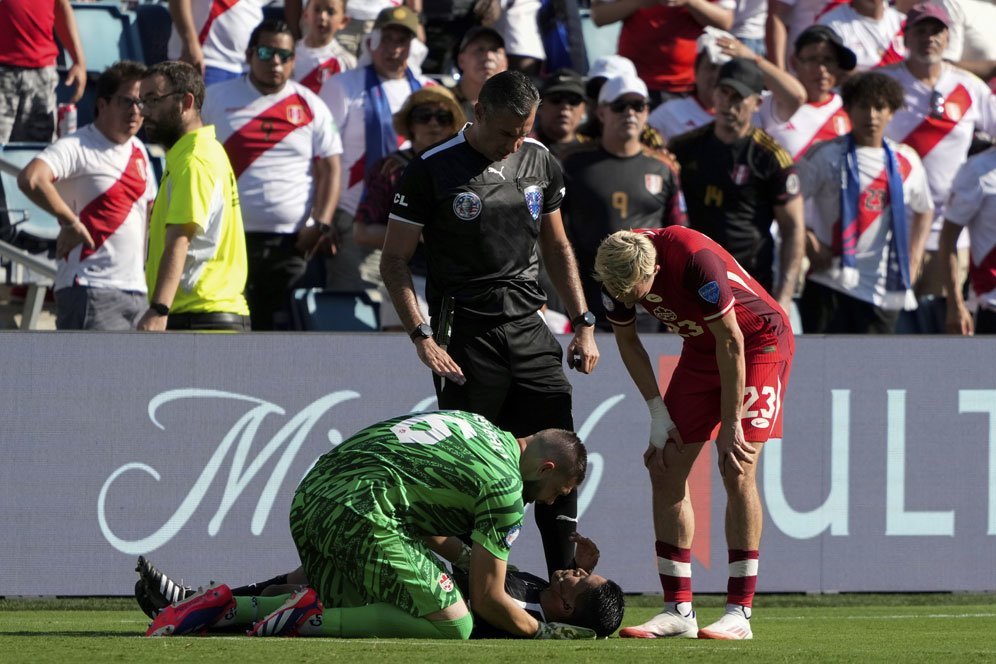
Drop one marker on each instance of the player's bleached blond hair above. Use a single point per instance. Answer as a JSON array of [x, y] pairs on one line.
[[624, 259]]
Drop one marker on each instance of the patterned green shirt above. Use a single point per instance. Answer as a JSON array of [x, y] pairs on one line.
[[438, 473]]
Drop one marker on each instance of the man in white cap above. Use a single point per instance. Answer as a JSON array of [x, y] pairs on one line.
[[617, 183]]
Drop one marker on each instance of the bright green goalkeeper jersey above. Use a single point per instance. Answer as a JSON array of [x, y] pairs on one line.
[[437, 473]]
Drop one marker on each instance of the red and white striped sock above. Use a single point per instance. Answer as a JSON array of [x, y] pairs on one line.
[[743, 578], [674, 565]]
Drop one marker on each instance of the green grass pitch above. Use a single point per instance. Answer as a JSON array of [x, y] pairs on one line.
[[829, 628]]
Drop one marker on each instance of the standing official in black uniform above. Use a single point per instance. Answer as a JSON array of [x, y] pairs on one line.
[[736, 179], [483, 202], [617, 183]]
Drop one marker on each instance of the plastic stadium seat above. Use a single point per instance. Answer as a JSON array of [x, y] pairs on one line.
[[317, 310], [154, 25], [22, 223], [599, 41], [108, 35]]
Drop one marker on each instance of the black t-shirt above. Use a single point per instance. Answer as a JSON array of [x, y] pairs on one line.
[[481, 223], [523, 587], [606, 194], [731, 190]]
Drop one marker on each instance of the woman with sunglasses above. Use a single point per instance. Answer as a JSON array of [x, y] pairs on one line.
[[427, 117]]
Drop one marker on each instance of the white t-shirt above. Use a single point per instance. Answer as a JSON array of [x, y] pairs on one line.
[[980, 17], [272, 142], [972, 204], [224, 36], [110, 187], [367, 10], [314, 66], [804, 13], [518, 27], [677, 116], [811, 124], [942, 144], [749, 18], [820, 180], [876, 43], [346, 96]]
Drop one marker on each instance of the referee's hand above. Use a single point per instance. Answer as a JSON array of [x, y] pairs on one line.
[[582, 353], [436, 358]]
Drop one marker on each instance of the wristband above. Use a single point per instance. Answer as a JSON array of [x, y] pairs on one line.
[[660, 422]]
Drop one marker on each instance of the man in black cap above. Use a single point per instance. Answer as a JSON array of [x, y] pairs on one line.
[[736, 179], [561, 110], [481, 55], [821, 61]]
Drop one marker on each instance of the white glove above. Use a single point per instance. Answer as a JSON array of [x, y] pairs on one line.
[[660, 422], [563, 632]]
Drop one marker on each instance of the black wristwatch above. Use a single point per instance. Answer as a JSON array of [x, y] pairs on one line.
[[586, 319], [159, 308], [423, 331]]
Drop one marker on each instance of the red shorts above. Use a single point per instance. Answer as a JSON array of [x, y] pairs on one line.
[[693, 400]]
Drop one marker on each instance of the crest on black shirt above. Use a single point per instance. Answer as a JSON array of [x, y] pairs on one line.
[[740, 174], [467, 206], [534, 200]]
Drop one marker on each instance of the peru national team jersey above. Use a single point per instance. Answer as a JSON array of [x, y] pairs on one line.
[[223, 29], [820, 176], [436, 473], [314, 66], [481, 223], [272, 142], [699, 283], [732, 189], [346, 96], [110, 187], [804, 14], [942, 142], [811, 124], [972, 204], [876, 42], [677, 116]]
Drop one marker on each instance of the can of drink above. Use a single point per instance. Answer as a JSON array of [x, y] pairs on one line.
[[66, 115]]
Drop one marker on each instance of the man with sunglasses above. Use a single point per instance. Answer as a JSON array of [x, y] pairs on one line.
[[617, 183], [284, 148], [486, 203], [98, 183], [561, 110], [944, 106], [196, 263], [736, 178]]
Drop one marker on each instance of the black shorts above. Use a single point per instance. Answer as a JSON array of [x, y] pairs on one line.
[[824, 310], [515, 377]]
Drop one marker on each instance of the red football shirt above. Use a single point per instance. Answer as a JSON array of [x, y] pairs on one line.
[[699, 282], [27, 33]]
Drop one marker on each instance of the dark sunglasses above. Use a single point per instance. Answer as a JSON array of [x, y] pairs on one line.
[[423, 114], [266, 53], [620, 106], [565, 98]]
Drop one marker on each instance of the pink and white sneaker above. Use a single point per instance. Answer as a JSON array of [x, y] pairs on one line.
[[733, 626]]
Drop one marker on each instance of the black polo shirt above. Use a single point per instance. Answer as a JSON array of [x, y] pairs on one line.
[[480, 223], [731, 191]]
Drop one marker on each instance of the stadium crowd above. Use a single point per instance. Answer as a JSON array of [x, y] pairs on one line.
[[760, 168], [713, 111]]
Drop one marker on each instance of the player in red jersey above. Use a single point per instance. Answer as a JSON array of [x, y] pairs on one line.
[[732, 373]]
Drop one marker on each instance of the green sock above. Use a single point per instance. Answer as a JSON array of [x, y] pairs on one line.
[[250, 609], [388, 621]]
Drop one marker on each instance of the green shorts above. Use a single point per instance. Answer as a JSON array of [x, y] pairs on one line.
[[353, 558]]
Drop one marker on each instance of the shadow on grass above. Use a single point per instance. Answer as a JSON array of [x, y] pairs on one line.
[[72, 634]]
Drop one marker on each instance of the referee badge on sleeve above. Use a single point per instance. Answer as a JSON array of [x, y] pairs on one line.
[[534, 200]]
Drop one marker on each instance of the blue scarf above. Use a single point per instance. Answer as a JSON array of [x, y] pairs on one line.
[[898, 276], [377, 118]]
